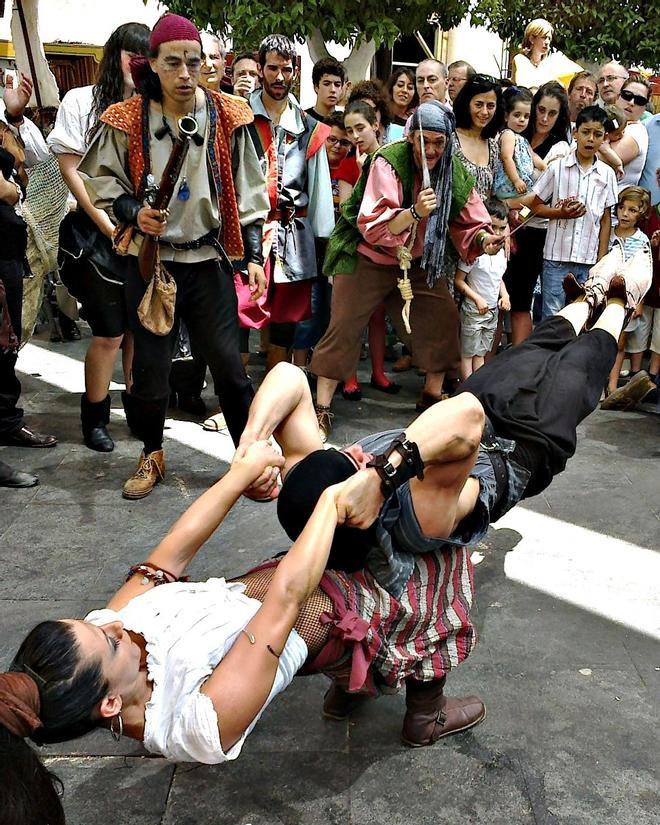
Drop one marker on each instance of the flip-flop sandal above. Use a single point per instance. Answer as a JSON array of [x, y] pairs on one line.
[[215, 423]]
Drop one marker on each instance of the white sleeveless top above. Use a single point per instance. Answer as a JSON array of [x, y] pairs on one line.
[[188, 628]]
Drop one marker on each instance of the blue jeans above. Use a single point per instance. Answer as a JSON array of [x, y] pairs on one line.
[[552, 276]]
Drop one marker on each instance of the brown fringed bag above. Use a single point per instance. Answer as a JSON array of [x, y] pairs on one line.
[[156, 310]]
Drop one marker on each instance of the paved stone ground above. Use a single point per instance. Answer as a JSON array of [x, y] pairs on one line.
[[567, 609]]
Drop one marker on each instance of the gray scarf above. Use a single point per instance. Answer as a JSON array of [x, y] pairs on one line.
[[435, 117]]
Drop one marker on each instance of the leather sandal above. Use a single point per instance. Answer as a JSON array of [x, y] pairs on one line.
[[391, 388]]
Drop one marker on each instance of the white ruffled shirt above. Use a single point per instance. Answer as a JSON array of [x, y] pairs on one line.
[[188, 628]]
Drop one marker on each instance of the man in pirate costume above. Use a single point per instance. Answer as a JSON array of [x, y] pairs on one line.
[[292, 146], [216, 214], [411, 195]]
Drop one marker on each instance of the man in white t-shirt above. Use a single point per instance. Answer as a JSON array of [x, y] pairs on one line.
[[484, 294]]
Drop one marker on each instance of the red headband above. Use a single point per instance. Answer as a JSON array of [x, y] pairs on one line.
[[172, 27]]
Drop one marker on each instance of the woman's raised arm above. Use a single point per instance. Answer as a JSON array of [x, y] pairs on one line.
[[201, 519], [241, 683]]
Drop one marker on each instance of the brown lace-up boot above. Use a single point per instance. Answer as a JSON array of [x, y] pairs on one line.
[[150, 470]]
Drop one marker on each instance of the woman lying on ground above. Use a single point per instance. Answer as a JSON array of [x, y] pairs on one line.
[[187, 668]]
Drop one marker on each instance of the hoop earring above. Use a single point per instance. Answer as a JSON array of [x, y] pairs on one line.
[[117, 734]]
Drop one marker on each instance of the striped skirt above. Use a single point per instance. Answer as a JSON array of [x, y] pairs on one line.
[[377, 641]]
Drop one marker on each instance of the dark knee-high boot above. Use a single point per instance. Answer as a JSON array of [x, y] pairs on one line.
[[430, 715], [95, 417]]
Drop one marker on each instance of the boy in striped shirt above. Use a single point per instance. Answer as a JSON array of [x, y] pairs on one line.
[[583, 189]]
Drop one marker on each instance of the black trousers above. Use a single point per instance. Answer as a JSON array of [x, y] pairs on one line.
[[11, 416], [539, 391], [206, 301]]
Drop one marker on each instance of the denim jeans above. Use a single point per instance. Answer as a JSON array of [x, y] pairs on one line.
[[552, 278]]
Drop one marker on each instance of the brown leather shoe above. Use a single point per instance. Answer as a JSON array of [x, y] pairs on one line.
[[430, 715], [150, 470], [426, 400], [628, 396], [338, 703], [402, 364]]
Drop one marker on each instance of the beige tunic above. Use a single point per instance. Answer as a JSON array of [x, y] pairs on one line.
[[104, 170]]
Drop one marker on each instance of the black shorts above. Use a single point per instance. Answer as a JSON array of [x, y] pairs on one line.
[[525, 267], [537, 392], [101, 295]]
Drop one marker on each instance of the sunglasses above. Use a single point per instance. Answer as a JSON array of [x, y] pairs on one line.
[[341, 141], [639, 99]]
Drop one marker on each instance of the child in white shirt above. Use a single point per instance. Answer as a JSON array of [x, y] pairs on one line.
[[484, 294]]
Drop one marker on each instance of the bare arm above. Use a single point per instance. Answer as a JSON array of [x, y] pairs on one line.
[[200, 520], [8, 191], [604, 233], [538, 162], [627, 148], [610, 157], [69, 169], [345, 191], [241, 683], [507, 146], [465, 289], [557, 213]]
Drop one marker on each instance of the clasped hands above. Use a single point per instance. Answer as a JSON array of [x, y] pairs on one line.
[[358, 499]]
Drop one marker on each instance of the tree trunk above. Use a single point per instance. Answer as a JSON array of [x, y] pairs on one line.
[[356, 64]]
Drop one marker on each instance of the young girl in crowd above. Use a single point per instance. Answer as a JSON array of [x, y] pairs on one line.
[[631, 210], [364, 130], [514, 172]]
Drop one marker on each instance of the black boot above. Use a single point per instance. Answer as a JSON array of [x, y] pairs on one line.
[[131, 415], [95, 417]]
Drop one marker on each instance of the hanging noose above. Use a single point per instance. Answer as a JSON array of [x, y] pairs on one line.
[[404, 254]]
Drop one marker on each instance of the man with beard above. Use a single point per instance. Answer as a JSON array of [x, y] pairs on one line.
[[291, 145]]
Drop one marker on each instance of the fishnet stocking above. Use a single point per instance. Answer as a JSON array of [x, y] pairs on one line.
[[314, 634]]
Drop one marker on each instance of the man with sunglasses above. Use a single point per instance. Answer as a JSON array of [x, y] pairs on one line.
[[611, 77]]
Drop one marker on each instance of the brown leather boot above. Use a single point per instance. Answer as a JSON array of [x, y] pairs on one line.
[[430, 715], [339, 703], [150, 470]]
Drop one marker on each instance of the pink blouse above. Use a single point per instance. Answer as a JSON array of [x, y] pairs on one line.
[[381, 203]]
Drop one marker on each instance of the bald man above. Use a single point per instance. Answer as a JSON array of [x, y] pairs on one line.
[[611, 77]]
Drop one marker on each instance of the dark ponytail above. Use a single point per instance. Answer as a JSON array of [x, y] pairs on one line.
[[69, 689], [29, 792]]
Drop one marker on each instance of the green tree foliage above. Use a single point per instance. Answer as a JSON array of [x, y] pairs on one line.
[[585, 30], [344, 21]]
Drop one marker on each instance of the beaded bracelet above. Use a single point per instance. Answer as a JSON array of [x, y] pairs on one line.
[[416, 216], [156, 575]]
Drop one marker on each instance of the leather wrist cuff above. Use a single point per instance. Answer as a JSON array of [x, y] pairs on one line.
[[14, 120], [252, 237], [392, 477], [126, 209]]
